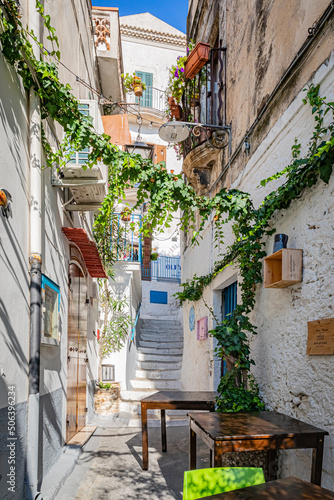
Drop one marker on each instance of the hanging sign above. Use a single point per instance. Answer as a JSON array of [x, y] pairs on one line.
[[320, 337]]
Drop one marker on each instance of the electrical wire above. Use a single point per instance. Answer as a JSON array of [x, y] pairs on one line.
[[124, 106]]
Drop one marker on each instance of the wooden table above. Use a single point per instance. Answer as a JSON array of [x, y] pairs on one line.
[[265, 430], [289, 488], [171, 400]]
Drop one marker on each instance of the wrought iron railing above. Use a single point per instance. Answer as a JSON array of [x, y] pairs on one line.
[[163, 269], [204, 98], [152, 98]]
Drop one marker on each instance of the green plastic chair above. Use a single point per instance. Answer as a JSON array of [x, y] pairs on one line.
[[201, 483]]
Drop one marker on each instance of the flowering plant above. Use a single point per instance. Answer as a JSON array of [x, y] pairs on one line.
[[177, 79], [131, 80]]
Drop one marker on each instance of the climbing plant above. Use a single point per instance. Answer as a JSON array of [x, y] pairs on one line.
[[167, 192]]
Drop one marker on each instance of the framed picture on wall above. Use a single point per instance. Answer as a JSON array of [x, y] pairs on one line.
[[50, 311]]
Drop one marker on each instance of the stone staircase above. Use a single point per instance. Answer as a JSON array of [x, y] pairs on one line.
[[158, 366]]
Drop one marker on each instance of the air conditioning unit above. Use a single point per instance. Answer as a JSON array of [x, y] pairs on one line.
[[88, 186]]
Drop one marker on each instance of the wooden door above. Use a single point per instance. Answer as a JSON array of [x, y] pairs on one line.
[[76, 366], [82, 356]]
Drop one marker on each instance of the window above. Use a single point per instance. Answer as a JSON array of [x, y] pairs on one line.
[[146, 99], [229, 300], [81, 157], [50, 311], [108, 373], [229, 303]]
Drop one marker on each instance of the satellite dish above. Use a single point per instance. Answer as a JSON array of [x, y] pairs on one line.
[[174, 132]]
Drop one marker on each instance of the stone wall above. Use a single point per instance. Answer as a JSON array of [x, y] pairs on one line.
[[290, 381], [107, 400]]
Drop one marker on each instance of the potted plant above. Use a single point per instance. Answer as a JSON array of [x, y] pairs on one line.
[[154, 256], [133, 83], [126, 214], [196, 60]]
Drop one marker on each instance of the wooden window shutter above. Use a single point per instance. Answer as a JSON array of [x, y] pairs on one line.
[[159, 153]]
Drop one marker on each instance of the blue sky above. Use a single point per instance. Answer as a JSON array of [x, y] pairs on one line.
[[173, 12]]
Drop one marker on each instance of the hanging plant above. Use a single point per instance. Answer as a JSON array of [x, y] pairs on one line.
[[133, 83]]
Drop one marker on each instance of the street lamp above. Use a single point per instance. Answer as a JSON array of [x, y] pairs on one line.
[[139, 147]]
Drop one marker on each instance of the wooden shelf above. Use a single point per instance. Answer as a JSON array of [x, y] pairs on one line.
[[283, 268]]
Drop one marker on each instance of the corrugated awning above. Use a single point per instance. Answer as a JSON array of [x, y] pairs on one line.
[[88, 249]]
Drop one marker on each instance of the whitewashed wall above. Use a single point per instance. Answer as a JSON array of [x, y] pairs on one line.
[[125, 284], [290, 381]]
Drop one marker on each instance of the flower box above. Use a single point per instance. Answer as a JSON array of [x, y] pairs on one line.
[[196, 60]]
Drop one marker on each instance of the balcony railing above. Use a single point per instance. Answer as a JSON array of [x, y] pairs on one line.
[[152, 98], [163, 269], [204, 97], [129, 243]]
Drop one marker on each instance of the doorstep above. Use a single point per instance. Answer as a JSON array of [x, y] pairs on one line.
[[82, 437]]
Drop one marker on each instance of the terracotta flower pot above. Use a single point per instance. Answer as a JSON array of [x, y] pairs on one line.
[[176, 112], [138, 89], [196, 60], [171, 101], [126, 216]]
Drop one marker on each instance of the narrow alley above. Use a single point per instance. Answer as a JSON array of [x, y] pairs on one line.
[[110, 466], [166, 249]]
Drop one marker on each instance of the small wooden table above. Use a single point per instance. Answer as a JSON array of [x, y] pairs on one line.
[[265, 430], [289, 488], [171, 400]]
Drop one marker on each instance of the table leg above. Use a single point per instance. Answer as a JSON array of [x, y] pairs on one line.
[[192, 450], [317, 462], [218, 455], [271, 465], [163, 430], [144, 435]]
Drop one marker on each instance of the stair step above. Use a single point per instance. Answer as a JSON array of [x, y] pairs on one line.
[[156, 358], [160, 322], [151, 365], [158, 330], [161, 344], [159, 337], [155, 384], [160, 350], [158, 374]]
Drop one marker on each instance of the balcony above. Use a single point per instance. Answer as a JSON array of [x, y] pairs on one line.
[[107, 41], [130, 247], [204, 101], [152, 102], [163, 269]]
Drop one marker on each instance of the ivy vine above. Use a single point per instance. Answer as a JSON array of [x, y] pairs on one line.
[[167, 192]]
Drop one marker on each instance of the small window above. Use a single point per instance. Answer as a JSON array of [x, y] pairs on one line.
[[108, 373], [81, 157], [50, 311]]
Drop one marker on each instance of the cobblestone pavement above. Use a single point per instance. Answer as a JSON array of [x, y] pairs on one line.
[[110, 466]]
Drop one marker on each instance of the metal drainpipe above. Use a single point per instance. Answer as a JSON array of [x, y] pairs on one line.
[[35, 260]]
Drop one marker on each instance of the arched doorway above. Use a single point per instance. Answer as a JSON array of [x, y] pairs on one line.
[[76, 351]]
